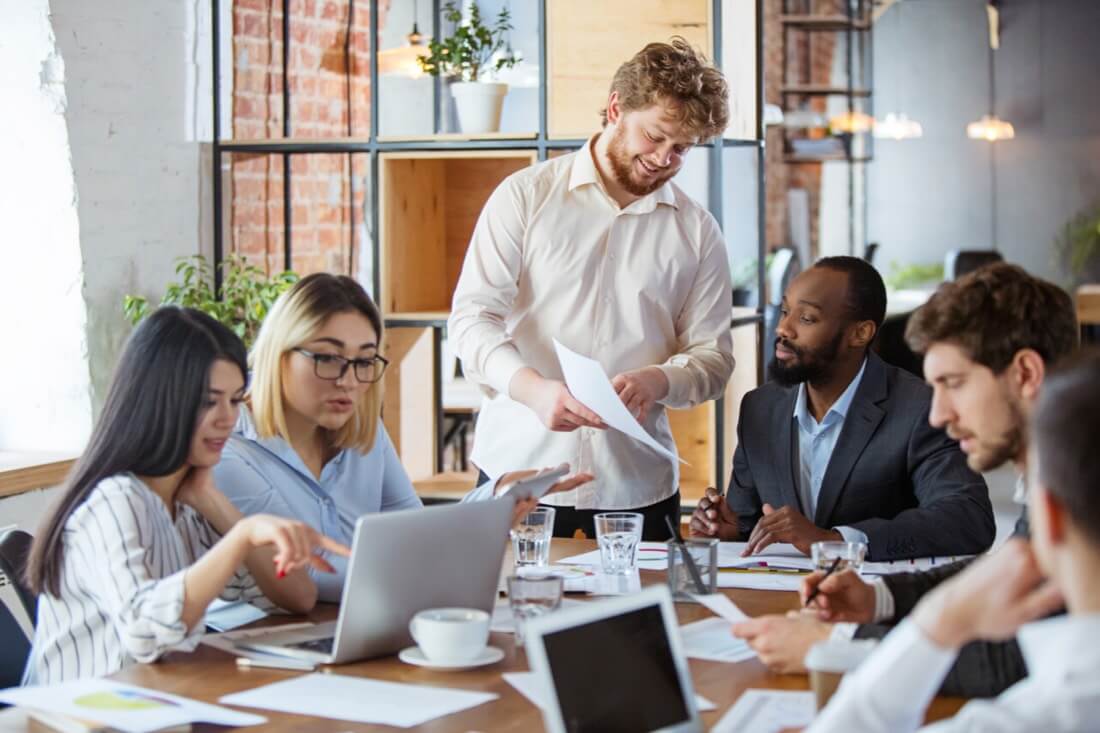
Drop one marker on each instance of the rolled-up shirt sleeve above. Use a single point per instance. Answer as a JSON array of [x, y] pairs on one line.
[[487, 289], [145, 610], [703, 363]]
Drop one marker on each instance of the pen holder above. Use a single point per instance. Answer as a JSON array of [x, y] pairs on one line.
[[680, 581]]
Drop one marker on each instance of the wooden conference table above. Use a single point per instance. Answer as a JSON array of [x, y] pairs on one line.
[[207, 674]]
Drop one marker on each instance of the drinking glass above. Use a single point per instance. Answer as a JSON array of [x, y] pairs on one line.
[[530, 596], [531, 537], [851, 555], [618, 534]]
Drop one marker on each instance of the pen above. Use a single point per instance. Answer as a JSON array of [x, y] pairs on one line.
[[830, 571], [276, 663], [784, 571]]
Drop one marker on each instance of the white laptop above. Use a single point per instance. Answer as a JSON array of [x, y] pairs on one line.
[[402, 563], [614, 665]]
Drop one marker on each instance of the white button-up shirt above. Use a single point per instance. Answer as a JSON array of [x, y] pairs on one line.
[[891, 690], [553, 256]]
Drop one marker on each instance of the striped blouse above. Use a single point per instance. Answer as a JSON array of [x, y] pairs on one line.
[[122, 585]]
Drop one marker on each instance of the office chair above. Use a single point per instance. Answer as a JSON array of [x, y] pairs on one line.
[[869, 252], [783, 268], [958, 262], [15, 547], [16, 646], [890, 345]]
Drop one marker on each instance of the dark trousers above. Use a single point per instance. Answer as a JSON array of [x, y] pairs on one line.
[[567, 519]]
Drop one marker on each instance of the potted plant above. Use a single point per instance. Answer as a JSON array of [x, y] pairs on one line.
[[247, 293], [1078, 246], [471, 57]]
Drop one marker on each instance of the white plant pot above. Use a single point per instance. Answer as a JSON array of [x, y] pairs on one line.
[[478, 105]]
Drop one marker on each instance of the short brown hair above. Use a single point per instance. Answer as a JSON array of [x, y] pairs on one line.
[[994, 312], [677, 75], [1065, 425]]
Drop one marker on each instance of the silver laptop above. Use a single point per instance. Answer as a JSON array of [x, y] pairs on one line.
[[402, 563], [614, 665]]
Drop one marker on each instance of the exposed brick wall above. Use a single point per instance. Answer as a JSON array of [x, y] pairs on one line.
[[327, 217], [812, 53]]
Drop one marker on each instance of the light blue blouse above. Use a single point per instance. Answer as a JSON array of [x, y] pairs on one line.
[[266, 476]]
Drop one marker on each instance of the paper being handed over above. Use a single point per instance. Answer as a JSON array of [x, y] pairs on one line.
[[588, 383]]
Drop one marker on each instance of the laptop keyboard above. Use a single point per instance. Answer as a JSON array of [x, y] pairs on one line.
[[324, 646]]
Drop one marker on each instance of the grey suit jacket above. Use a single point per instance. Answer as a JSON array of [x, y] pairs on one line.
[[892, 476]]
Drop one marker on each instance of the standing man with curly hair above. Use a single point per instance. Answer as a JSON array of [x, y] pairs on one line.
[[601, 251]]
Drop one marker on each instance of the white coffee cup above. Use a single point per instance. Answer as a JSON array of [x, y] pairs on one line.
[[828, 661], [450, 635]]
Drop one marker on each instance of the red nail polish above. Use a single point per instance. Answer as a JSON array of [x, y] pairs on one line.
[[281, 574]]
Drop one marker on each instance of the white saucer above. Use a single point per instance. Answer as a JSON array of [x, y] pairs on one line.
[[413, 655]]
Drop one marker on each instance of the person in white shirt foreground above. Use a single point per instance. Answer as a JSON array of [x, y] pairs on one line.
[[601, 251], [1004, 593]]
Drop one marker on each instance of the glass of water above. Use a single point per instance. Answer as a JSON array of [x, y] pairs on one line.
[[531, 537], [618, 534], [530, 596], [849, 554]]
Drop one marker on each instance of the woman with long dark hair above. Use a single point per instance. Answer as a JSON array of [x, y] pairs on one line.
[[141, 540]]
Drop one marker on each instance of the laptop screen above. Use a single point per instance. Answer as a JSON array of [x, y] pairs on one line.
[[616, 674]]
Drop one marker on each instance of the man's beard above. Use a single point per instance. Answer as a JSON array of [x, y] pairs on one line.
[[622, 167], [808, 366], [1006, 446]]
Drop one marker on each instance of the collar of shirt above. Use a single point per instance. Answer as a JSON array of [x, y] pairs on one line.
[[1019, 495], [281, 449], [1061, 648], [837, 413], [584, 173]]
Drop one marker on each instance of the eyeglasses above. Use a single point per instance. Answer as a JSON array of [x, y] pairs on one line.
[[333, 367]]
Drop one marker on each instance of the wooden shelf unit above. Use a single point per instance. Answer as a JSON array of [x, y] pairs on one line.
[[430, 190], [587, 41], [429, 203]]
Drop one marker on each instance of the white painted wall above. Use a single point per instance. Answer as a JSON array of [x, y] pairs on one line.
[[138, 85], [44, 384]]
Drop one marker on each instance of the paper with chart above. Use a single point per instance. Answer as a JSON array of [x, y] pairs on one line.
[[123, 707], [530, 686], [779, 554], [712, 639], [359, 699], [589, 384], [767, 711]]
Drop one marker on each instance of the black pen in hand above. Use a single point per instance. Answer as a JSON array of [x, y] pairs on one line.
[[817, 588]]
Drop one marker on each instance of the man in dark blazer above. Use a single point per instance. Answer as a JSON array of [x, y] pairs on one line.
[[839, 446], [988, 340]]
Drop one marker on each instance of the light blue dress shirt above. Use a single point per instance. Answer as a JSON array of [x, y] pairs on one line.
[[816, 441], [266, 476]]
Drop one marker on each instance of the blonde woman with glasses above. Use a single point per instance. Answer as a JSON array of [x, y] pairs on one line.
[[313, 446]]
